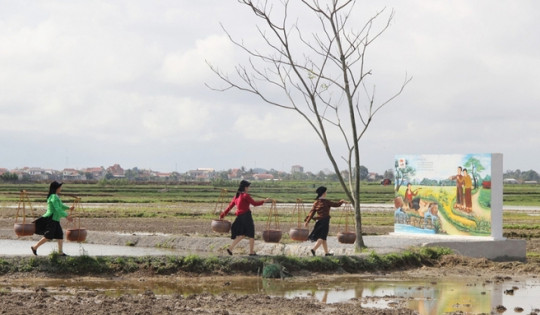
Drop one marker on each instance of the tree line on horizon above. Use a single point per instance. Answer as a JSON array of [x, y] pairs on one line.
[[135, 175]]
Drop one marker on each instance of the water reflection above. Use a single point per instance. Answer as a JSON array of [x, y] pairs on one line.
[[469, 296]]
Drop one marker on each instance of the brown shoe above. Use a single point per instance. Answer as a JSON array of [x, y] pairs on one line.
[[34, 250]]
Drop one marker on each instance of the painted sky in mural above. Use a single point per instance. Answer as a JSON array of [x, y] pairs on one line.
[[440, 167]]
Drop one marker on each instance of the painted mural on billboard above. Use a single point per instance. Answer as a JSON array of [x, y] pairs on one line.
[[443, 194]]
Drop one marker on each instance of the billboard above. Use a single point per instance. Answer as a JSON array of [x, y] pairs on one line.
[[452, 194]]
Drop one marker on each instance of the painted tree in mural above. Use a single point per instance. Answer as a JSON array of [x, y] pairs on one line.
[[475, 167], [321, 73], [403, 173]]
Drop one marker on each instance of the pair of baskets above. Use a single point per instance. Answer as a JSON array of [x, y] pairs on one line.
[[273, 234], [270, 235], [25, 228]]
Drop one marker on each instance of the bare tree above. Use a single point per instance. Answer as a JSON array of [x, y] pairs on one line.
[[322, 74]]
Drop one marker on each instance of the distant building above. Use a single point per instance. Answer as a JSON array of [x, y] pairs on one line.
[[204, 174], [161, 175], [263, 177], [235, 173], [95, 172], [33, 173], [297, 169], [71, 174], [116, 170]]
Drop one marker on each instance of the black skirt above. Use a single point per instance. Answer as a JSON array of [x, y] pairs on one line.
[[49, 228], [243, 225], [320, 231]]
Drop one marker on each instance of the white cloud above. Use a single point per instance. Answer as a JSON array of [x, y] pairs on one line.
[[278, 127], [117, 80], [189, 67]]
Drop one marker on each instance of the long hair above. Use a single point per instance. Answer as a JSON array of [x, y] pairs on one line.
[[242, 187], [53, 187]]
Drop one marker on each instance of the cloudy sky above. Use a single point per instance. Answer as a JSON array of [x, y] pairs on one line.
[[93, 83]]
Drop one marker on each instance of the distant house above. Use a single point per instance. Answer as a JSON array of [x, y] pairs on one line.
[[3, 171], [116, 170], [162, 175], [35, 173], [95, 172], [297, 169], [510, 181], [235, 173], [203, 174], [263, 177], [71, 174]]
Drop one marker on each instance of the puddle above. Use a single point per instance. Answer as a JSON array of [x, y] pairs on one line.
[[425, 297]]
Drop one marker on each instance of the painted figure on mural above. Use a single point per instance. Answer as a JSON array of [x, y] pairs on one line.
[[409, 194], [459, 188], [467, 182], [400, 216], [432, 214]]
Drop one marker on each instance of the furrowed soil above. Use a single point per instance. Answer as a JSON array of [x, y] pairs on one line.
[[22, 296]]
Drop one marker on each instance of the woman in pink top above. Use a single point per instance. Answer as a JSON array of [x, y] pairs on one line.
[[243, 224]]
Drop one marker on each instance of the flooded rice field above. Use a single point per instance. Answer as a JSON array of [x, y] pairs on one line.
[[430, 296]]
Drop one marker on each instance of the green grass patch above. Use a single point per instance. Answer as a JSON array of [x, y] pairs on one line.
[[55, 264], [522, 226]]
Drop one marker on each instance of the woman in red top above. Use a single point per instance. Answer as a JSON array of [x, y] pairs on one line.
[[409, 194], [243, 224], [321, 207]]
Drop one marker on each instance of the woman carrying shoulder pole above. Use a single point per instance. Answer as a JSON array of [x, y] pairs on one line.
[[321, 207], [243, 224], [49, 224]]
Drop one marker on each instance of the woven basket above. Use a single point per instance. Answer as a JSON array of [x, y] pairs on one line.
[[299, 234], [272, 236], [221, 226], [24, 229], [76, 235], [346, 237]]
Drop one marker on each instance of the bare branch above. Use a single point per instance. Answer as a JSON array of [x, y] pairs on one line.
[[321, 76]]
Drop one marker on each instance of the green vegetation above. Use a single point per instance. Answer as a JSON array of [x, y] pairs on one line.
[[523, 195], [55, 264], [201, 201], [282, 191]]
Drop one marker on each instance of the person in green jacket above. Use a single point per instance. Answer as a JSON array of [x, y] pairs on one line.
[[49, 224]]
